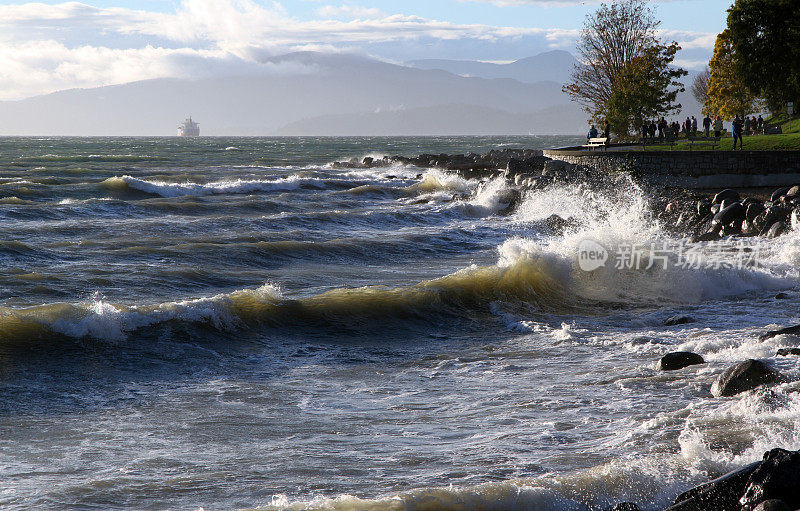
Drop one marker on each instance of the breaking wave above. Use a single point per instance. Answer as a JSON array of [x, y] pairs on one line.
[[239, 186]]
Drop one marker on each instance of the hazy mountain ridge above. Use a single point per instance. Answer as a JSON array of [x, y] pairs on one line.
[[321, 94], [452, 119], [555, 66]]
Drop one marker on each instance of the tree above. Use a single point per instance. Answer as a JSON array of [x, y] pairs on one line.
[[728, 94], [700, 86], [624, 73], [765, 35]]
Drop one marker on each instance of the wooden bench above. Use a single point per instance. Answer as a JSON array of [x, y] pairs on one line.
[[714, 141], [668, 140], [596, 142]]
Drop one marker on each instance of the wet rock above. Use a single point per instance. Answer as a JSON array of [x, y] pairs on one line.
[[725, 194], [772, 214], [778, 477], [707, 236], [787, 352], [735, 212], [557, 224], [625, 506], [789, 330], [772, 505], [753, 210], [703, 207], [782, 296], [721, 494], [678, 319], [745, 376], [776, 230], [678, 360], [780, 192], [515, 166]]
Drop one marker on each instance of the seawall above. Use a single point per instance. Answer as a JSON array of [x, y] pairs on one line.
[[693, 169]]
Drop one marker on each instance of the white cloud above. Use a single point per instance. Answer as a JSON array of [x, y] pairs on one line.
[[350, 12], [44, 48]]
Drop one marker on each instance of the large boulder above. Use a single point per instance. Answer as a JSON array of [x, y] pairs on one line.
[[778, 477], [789, 330], [734, 212], [720, 494], [678, 319], [745, 376], [679, 360], [772, 505], [776, 230], [725, 194]]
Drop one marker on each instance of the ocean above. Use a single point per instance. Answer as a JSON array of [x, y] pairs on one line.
[[234, 323]]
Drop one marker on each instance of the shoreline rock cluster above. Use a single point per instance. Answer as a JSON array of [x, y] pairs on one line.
[[728, 213], [772, 484]]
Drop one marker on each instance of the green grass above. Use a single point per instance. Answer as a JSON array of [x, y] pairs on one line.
[[787, 141], [788, 125]]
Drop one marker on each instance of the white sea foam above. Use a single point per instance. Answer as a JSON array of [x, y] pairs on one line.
[[238, 186], [619, 219]]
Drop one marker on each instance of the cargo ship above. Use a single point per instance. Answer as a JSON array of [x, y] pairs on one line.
[[189, 128]]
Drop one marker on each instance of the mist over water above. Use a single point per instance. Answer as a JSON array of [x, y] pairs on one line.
[[234, 323]]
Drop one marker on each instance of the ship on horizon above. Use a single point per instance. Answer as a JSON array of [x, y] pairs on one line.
[[189, 128]]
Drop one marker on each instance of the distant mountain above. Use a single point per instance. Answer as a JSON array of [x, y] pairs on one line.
[[347, 86], [450, 119], [554, 66]]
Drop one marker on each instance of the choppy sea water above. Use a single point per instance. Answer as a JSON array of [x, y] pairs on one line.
[[233, 323]]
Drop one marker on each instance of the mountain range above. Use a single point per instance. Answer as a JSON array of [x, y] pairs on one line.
[[310, 93]]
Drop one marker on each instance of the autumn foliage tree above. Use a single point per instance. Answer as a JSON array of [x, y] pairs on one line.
[[765, 37], [728, 94], [625, 73], [700, 86]]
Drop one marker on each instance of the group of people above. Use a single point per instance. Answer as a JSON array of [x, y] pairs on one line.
[[662, 129]]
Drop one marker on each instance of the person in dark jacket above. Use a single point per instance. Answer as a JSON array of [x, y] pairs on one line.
[[738, 127], [707, 126], [592, 132]]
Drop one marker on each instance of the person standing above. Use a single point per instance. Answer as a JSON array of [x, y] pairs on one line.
[[694, 125], [607, 132], [718, 127], [737, 133], [707, 125]]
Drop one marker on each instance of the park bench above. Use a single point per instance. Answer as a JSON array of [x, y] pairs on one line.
[[667, 140], [714, 141], [596, 142]]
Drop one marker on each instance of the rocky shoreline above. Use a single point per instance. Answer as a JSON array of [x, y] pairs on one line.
[[772, 484], [701, 216]]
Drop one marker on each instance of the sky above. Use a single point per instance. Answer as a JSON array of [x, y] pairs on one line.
[[51, 45]]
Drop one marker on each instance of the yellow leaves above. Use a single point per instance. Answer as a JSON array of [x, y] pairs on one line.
[[728, 95]]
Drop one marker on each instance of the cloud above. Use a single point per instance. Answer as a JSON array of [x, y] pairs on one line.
[[350, 12], [44, 48], [551, 3]]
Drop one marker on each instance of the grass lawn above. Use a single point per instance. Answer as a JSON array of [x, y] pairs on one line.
[[789, 140]]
